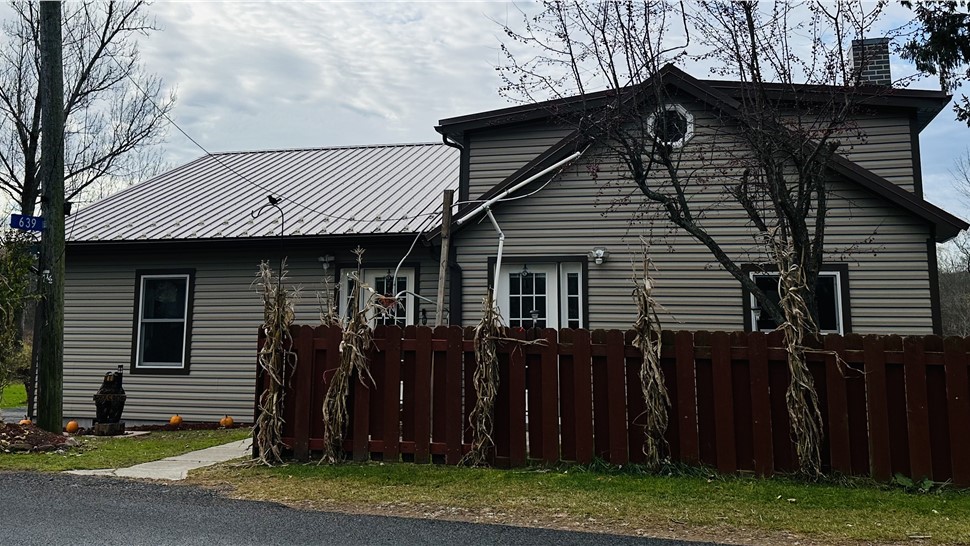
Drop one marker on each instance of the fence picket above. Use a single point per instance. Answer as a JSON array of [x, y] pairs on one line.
[[453, 396], [616, 397], [567, 401], [764, 462], [361, 418], [686, 397], [918, 420], [583, 393], [838, 410], [302, 383], [727, 455], [392, 393], [635, 405], [422, 397], [958, 407], [516, 401], [877, 407], [550, 397]]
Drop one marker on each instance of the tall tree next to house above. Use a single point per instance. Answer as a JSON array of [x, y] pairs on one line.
[[762, 153], [112, 123], [940, 45]]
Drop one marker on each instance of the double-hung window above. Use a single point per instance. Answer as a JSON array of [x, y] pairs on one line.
[[541, 294], [831, 300], [393, 298], [162, 321]]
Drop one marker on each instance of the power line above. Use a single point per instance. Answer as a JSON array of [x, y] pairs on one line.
[[271, 192]]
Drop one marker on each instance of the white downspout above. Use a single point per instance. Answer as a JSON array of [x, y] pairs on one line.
[[501, 243]]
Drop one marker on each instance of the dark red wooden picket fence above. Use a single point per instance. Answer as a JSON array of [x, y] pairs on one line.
[[889, 404]]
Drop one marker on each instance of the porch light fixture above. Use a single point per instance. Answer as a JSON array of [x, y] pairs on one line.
[[525, 271], [599, 255]]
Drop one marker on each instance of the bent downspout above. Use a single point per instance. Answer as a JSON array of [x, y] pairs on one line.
[[501, 243]]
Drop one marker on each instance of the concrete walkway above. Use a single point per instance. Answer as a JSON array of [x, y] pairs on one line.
[[177, 468], [13, 415]]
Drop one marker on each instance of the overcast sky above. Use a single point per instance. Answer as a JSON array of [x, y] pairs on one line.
[[287, 75]]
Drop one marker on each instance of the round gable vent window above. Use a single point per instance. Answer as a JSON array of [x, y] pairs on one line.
[[671, 124]]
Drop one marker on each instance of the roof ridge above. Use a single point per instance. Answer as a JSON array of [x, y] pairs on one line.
[[322, 148]]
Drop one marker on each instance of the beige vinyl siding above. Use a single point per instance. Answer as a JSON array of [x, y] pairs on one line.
[[883, 144], [227, 311], [883, 246], [495, 154]]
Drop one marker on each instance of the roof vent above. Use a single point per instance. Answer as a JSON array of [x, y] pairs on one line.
[[870, 62]]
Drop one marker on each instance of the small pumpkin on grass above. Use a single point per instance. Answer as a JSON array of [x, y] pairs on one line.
[[175, 420], [72, 427], [226, 422]]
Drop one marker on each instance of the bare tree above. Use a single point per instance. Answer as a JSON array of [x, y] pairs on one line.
[[954, 277], [115, 111], [772, 147], [765, 150]]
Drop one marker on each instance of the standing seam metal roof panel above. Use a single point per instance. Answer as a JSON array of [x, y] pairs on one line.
[[324, 191]]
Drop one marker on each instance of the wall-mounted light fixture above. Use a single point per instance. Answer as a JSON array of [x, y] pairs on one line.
[[325, 261], [599, 255]]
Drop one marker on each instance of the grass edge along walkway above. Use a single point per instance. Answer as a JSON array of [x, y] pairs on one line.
[[696, 506], [113, 452]]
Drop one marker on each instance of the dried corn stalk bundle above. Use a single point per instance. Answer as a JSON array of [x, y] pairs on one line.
[[657, 401], [355, 342], [327, 301], [801, 397], [482, 417], [276, 359]]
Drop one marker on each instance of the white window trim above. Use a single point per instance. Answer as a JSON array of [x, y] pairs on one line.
[[756, 307], [139, 362], [557, 315], [688, 134], [409, 300]]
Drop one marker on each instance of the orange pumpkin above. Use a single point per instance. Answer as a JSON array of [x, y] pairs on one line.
[[226, 422], [26, 422], [72, 427], [176, 420]]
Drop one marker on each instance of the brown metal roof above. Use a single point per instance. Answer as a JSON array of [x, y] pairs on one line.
[[324, 191]]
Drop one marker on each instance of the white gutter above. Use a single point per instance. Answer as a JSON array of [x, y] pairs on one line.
[[487, 204]]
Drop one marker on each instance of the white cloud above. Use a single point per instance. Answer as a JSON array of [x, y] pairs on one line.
[[260, 75]]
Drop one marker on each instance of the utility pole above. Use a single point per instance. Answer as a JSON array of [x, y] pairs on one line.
[[446, 201], [51, 360]]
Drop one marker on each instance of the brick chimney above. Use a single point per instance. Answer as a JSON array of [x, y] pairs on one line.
[[870, 61]]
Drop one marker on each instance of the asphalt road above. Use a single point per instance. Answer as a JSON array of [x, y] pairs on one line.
[[55, 509]]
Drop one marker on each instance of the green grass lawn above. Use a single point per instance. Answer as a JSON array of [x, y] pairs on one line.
[[104, 452], [13, 396], [694, 507]]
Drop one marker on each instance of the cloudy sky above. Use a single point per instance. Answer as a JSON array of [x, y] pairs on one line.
[[281, 75], [260, 75], [285, 75]]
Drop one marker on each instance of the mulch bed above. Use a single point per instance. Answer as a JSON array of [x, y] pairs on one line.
[[16, 437]]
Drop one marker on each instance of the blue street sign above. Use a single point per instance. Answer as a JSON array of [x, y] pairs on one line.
[[26, 223]]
